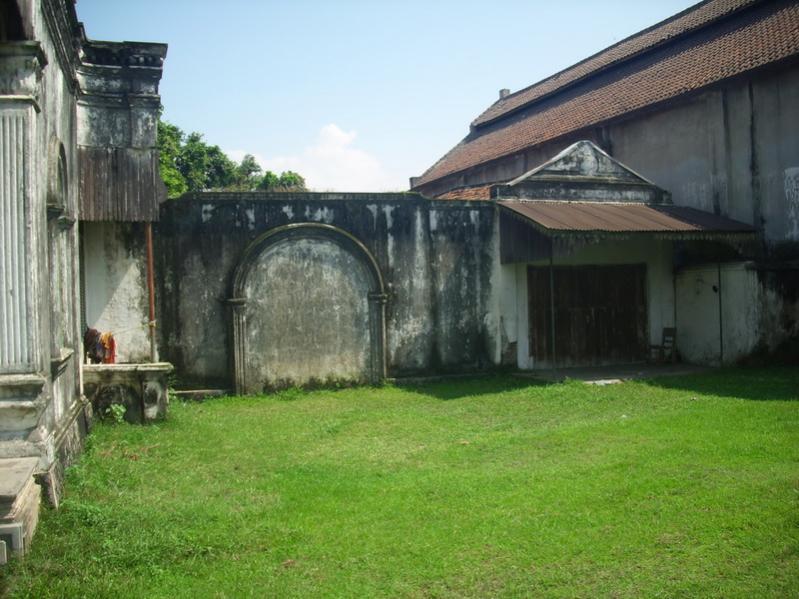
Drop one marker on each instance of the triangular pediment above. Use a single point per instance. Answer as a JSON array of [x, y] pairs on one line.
[[583, 161], [584, 172]]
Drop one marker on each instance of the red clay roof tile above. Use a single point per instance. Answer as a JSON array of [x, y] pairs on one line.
[[675, 26], [482, 192], [757, 37]]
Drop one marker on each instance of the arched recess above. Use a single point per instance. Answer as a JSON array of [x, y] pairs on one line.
[[307, 306], [60, 225]]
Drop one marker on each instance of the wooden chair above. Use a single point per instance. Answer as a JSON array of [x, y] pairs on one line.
[[667, 350]]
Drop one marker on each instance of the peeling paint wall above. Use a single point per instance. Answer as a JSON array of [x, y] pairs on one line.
[[307, 316], [114, 271], [704, 334], [731, 150], [42, 414], [437, 260]]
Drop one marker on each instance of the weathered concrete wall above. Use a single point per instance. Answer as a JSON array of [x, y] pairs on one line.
[[704, 332], [42, 414], [733, 150], [463, 252], [656, 254], [114, 272], [436, 259], [39, 365], [307, 315]]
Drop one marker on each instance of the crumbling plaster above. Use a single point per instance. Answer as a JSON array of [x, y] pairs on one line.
[[114, 271], [436, 259]]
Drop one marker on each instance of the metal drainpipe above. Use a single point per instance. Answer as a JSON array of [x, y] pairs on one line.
[[674, 308], [148, 231]]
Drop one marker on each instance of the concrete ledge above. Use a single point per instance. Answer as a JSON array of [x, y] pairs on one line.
[[32, 383], [141, 388]]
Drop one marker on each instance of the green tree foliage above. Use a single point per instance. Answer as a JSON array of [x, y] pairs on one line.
[[248, 173], [287, 181], [269, 182], [193, 162], [170, 139], [188, 163], [292, 181], [220, 170]]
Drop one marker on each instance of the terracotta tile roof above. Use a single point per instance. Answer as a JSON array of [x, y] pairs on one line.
[[482, 192], [603, 217], [762, 35], [673, 27]]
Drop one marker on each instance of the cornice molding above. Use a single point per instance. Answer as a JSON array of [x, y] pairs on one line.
[[21, 65], [64, 31]]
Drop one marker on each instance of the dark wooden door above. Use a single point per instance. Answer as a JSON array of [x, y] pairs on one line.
[[600, 314]]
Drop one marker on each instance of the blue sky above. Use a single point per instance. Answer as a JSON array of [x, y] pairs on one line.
[[356, 95]]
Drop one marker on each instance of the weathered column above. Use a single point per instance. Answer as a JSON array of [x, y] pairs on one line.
[[21, 365]]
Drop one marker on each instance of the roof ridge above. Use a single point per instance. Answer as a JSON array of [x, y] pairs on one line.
[[489, 116], [764, 34]]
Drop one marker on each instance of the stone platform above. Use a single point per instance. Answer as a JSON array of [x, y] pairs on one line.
[[141, 388]]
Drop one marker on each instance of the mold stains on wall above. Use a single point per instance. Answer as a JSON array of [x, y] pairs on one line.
[[437, 263], [307, 316], [791, 185]]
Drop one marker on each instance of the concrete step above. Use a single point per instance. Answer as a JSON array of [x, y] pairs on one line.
[[20, 498]]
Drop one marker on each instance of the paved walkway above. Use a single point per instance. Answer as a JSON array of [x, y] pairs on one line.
[[607, 375]]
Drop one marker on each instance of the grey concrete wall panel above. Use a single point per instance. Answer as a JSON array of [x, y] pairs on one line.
[[201, 239], [307, 309], [462, 258], [116, 299]]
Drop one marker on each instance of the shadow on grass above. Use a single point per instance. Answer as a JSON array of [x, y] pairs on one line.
[[457, 388], [779, 383]]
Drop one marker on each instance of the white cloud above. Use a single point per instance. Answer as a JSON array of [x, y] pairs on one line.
[[333, 163]]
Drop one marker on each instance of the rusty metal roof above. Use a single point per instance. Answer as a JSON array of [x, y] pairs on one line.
[[599, 217]]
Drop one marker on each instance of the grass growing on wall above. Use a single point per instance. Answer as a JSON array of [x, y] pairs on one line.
[[478, 487]]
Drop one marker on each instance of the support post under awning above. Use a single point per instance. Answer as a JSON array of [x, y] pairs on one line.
[[552, 302], [721, 319]]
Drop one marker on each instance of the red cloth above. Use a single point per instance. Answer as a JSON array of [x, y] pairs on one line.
[[110, 346]]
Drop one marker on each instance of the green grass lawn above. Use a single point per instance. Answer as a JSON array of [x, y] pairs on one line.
[[476, 487]]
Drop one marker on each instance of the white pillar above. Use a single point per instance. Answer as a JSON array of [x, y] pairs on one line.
[[20, 72]]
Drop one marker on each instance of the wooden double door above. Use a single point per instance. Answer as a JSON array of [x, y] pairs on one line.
[[600, 314]]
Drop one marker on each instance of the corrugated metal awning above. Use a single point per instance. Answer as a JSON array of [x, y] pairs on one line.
[[119, 184], [554, 218]]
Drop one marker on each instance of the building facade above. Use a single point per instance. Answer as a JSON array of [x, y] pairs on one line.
[[703, 105], [77, 131]]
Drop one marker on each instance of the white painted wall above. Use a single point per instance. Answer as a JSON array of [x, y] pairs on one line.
[[656, 254], [698, 313], [115, 278]]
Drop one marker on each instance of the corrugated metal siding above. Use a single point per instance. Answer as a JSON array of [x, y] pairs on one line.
[[520, 242], [119, 184], [623, 218]]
